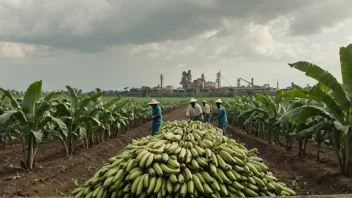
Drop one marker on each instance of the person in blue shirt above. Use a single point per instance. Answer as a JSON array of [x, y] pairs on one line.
[[156, 116], [221, 115]]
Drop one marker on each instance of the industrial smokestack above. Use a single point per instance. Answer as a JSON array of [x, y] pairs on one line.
[[189, 76], [252, 82]]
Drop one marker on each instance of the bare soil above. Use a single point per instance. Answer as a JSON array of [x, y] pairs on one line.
[[55, 174]]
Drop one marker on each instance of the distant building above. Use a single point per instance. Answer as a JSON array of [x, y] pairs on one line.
[[223, 90], [197, 85], [179, 90], [168, 88], [209, 85]]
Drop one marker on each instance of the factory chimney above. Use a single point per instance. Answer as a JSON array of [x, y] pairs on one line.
[[189, 76]]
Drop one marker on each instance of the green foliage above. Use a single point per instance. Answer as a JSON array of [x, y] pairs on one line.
[[322, 113], [69, 118]]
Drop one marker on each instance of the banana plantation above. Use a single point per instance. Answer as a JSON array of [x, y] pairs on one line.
[[321, 113], [107, 149], [70, 119]]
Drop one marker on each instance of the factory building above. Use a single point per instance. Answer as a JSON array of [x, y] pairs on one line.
[[200, 84], [197, 85]]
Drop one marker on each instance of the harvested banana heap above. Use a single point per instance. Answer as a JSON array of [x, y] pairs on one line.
[[185, 159]]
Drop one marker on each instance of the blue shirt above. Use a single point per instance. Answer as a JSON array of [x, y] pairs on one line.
[[222, 114], [156, 112]]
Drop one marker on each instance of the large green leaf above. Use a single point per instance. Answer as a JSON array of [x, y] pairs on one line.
[[44, 106], [326, 79], [111, 102], [82, 132], [323, 87], [121, 105], [61, 125], [52, 95], [21, 117], [6, 116], [31, 97], [267, 102], [14, 102], [83, 103], [38, 136], [309, 131], [63, 109], [245, 114], [346, 68], [305, 112], [43, 122], [297, 87], [73, 95], [294, 93], [340, 127], [317, 94]]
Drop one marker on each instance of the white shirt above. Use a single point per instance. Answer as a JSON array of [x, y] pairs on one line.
[[196, 111], [206, 108]]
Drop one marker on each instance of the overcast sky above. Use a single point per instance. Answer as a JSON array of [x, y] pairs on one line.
[[112, 44]]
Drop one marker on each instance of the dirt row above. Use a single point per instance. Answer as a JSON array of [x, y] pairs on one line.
[[56, 175]]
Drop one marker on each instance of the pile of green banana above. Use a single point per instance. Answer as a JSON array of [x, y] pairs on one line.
[[185, 159]]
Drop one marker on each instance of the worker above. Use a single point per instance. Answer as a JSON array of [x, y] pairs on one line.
[[221, 115], [194, 111], [206, 111], [156, 116]]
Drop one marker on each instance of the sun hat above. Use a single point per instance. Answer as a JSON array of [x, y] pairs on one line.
[[218, 101], [204, 101], [193, 100], [154, 102]]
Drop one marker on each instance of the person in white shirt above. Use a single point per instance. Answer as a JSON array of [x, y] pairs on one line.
[[206, 111], [194, 110]]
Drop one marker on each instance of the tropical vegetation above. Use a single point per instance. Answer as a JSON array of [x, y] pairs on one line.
[[70, 119], [322, 113]]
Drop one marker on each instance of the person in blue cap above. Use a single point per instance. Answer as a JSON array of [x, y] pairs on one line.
[[221, 115], [156, 116]]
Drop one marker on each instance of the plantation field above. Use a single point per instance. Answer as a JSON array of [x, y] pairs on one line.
[[56, 175], [53, 143]]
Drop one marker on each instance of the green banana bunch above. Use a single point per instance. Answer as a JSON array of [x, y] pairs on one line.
[[184, 159]]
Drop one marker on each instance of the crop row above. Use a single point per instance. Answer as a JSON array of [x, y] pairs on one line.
[[322, 113], [70, 119]]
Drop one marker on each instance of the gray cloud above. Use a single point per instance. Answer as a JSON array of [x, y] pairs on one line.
[[317, 15], [114, 44], [92, 25]]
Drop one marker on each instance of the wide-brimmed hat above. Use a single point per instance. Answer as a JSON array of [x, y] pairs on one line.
[[204, 101], [193, 100], [154, 102], [218, 101]]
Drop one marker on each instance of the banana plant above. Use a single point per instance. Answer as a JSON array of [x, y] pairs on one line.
[[337, 98], [108, 117], [259, 116], [28, 119], [74, 113], [292, 127]]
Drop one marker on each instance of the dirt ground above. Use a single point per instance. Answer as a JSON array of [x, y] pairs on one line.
[[55, 174]]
